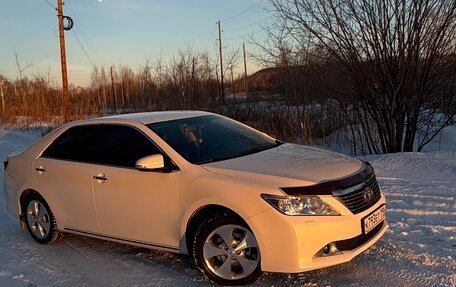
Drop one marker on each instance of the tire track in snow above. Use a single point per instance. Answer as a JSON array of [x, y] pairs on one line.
[[421, 196]]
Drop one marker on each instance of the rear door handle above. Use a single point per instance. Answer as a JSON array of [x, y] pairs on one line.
[[40, 169]]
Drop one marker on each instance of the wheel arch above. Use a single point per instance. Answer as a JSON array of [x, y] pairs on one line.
[[199, 216], [22, 200], [25, 194]]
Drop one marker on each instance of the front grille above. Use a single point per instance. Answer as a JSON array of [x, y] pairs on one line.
[[361, 198], [355, 242]]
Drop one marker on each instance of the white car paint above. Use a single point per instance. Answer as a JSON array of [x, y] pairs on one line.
[[288, 165], [154, 209]]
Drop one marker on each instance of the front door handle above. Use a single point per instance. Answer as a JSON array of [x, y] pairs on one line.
[[100, 177]]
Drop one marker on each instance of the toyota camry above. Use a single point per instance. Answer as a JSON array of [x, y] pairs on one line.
[[238, 201]]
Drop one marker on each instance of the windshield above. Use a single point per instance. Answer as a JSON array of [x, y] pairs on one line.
[[211, 138]]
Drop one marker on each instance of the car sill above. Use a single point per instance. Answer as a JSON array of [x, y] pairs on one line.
[[124, 241]]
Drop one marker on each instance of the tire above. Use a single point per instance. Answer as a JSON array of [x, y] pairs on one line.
[[238, 263], [42, 228]]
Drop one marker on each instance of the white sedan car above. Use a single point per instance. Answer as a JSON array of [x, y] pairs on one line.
[[236, 200]]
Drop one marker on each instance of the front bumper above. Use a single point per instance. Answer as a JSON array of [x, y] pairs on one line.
[[288, 244]]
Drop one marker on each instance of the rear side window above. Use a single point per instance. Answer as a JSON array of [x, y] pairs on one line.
[[114, 145], [77, 143]]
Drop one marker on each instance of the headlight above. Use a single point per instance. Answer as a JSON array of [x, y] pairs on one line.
[[300, 205]]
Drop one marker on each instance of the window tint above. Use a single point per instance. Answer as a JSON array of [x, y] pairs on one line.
[[77, 143], [123, 146], [211, 138], [102, 144]]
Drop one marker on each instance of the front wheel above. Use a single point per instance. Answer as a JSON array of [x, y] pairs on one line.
[[40, 220], [226, 250]]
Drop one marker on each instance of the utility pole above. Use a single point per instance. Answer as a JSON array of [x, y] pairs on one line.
[[221, 63], [113, 91], [66, 106], [245, 72], [3, 97]]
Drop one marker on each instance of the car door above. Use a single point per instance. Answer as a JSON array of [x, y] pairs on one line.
[[135, 205], [64, 176]]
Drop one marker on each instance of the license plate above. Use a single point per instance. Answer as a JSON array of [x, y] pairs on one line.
[[373, 219]]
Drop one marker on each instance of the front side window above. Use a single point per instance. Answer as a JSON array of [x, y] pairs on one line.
[[115, 145], [211, 138], [123, 146]]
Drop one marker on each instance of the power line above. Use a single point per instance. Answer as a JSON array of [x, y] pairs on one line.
[[212, 35], [82, 34], [244, 36], [247, 26], [48, 3], [82, 47], [243, 12]]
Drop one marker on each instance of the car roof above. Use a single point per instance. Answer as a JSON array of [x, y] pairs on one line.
[[154, 117]]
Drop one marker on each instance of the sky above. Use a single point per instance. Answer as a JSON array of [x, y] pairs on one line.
[[119, 32]]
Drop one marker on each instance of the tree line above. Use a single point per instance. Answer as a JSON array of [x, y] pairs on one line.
[[379, 75]]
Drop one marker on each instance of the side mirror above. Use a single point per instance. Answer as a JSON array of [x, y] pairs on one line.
[[151, 162]]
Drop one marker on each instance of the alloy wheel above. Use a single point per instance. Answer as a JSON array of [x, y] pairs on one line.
[[38, 219], [231, 252]]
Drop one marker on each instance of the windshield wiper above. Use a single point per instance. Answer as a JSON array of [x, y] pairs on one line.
[[254, 150]]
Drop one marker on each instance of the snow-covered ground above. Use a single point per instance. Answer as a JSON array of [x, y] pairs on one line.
[[418, 250]]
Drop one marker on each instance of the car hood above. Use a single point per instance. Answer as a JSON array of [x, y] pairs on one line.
[[288, 165]]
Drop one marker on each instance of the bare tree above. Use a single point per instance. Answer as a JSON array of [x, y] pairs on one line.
[[399, 56], [21, 69], [230, 62]]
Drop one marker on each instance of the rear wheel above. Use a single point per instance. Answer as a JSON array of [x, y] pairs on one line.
[[226, 250], [40, 220]]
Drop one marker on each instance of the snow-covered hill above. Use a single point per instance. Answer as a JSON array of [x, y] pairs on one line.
[[418, 250]]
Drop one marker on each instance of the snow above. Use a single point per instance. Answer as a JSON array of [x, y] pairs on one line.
[[418, 250]]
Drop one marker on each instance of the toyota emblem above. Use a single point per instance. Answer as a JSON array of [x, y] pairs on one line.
[[368, 194]]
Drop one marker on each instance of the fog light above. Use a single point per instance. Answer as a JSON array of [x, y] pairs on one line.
[[326, 249], [329, 250]]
